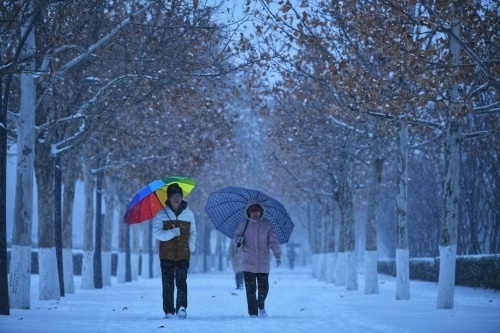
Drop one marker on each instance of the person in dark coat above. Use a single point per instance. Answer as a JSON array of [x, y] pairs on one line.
[[175, 228], [256, 238], [291, 257]]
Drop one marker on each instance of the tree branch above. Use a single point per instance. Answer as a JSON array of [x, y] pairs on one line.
[[346, 126], [410, 121]]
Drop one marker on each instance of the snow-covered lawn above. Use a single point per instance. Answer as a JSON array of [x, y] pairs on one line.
[[296, 303]]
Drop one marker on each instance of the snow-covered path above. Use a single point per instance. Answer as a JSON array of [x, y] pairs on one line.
[[296, 303]]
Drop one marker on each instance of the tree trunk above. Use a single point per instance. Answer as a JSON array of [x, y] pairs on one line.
[[70, 176], [147, 250], [107, 237], [340, 271], [20, 260], [449, 223], [98, 233], [325, 220], [314, 228], [330, 244], [449, 219], [350, 238], [58, 223], [494, 239], [144, 252], [206, 240], [135, 237], [122, 245], [4, 272], [371, 276], [402, 251], [47, 258], [88, 230], [128, 255], [219, 251]]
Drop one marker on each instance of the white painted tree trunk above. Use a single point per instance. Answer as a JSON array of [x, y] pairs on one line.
[[371, 276], [322, 266], [20, 264], [156, 261], [120, 269], [135, 249], [330, 267], [315, 265], [88, 270], [144, 265], [69, 283], [20, 267], [340, 271], [402, 254], [49, 285], [146, 243], [352, 274], [134, 266], [402, 274], [446, 283], [106, 268]]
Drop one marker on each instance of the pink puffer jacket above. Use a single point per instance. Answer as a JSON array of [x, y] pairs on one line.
[[259, 239]]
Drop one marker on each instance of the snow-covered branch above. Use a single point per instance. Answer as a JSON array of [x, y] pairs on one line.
[[82, 56], [410, 121], [80, 112], [103, 40], [476, 59], [476, 134], [64, 145], [492, 108], [48, 57], [346, 126], [80, 115], [425, 143], [127, 162]]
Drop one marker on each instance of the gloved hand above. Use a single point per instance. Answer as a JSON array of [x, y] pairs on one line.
[[176, 231], [278, 261], [240, 240]]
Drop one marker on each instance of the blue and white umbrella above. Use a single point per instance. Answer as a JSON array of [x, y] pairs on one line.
[[226, 209]]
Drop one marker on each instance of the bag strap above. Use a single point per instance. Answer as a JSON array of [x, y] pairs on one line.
[[246, 225]]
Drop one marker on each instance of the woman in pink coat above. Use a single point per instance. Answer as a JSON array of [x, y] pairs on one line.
[[256, 237]]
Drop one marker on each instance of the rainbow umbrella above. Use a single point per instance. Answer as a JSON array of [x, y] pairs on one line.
[[151, 198]]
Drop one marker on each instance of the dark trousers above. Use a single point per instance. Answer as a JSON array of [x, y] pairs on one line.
[[174, 272], [239, 280], [257, 287]]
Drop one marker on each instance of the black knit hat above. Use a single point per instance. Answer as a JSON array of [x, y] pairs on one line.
[[174, 189]]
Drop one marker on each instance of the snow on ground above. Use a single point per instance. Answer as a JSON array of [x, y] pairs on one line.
[[296, 303]]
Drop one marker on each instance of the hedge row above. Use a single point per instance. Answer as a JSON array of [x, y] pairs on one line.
[[471, 271]]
